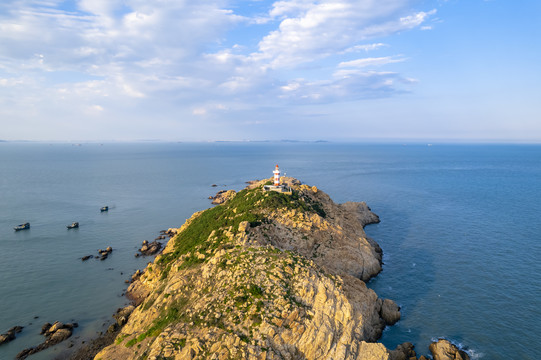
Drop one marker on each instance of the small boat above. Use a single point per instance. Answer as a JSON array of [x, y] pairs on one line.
[[105, 208], [73, 225], [22, 227]]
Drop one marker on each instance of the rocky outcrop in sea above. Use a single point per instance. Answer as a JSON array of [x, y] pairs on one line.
[[54, 334]]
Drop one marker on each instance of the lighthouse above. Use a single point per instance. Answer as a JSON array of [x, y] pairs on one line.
[[281, 188], [276, 173]]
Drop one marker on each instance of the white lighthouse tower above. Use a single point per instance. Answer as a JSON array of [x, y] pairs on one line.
[[276, 173], [276, 186]]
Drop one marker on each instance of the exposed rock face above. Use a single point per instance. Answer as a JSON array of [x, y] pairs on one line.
[[332, 235], [263, 276], [444, 350], [222, 196]]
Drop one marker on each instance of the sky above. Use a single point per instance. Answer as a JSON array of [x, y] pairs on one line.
[[337, 70]]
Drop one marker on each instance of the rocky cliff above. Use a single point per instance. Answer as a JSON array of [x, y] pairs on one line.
[[264, 275]]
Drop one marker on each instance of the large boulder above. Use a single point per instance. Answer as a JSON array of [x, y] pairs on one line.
[[59, 336], [445, 350], [56, 326], [404, 351], [390, 312]]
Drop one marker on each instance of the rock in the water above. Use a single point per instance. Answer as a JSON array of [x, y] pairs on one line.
[[123, 314], [56, 326], [60, 335], [10, 334], [45, 328], [112, 328], [105, 253], [55, 334], [404, 352], [150, 248], [390, 312], [7, 337], [445, 350]]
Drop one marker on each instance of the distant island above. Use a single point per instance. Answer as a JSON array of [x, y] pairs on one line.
[[272, 141]]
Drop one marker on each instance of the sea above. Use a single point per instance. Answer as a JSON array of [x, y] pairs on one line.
[[460, 230]]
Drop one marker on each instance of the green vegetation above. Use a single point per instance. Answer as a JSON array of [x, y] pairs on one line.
[[149, 302], [247, 205], [174, 313], [179, 344], [255, 290], [120, 338]]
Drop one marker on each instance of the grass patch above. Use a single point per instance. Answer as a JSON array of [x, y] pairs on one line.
[[179, 344], [247, 205], [174, 313], [255, 290], [120, 338]]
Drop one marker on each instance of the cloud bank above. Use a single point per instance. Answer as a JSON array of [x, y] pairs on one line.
[[91, 66]]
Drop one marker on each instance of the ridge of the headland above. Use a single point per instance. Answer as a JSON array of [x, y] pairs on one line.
[[264, 275]]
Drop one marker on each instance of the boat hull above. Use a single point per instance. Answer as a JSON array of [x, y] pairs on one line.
[[22, 227]]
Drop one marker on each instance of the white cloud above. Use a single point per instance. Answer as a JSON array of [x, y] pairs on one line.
[[365, 47], [199, 111], [346, 86], [128, 54], [320, 29], [393, 26], [290, 8], [366, 62]]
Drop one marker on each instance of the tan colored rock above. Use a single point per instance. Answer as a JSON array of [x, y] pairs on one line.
[[404, 352], [222, 196], [57, 325], [390, 312], [444, 350], [60, 335]]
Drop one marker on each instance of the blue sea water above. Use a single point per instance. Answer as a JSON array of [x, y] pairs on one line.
[[460, 229]]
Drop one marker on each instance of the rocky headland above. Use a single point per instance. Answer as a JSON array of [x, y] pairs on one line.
[[262, 275]]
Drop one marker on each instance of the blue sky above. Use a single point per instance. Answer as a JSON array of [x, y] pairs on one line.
[[352, 70]]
